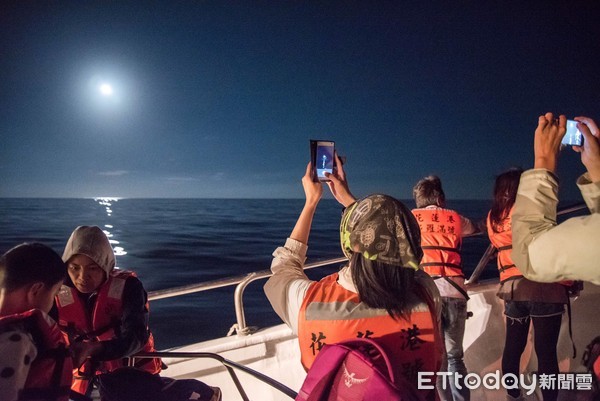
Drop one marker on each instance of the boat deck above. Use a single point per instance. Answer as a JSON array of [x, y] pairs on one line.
[[274, 351]]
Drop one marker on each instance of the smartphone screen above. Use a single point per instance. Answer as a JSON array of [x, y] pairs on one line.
[[573, 136], [322, 158]]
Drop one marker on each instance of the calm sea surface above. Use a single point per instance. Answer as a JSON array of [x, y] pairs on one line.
[[175, 242]]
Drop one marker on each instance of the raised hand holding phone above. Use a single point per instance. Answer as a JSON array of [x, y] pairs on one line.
[[573, 136], [590, 149], [547, 140], [338, 185], [312, 191]]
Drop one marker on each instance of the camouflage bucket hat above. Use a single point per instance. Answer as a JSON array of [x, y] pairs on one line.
[[381, 228]]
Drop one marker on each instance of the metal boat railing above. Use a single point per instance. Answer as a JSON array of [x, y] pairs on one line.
[[242, 281]]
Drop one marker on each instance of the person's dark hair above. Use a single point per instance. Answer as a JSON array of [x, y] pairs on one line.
[[505, 193], [428, 191], [384, 286], [30, 263]]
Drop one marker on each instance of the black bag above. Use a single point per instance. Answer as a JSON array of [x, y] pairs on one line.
[[186, 389], [574, 288], [590, 359], [132, 384]]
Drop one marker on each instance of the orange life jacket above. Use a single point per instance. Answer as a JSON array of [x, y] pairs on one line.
[[330, 313], [51, 372], [106, 317], [502, 240], [441, 240]]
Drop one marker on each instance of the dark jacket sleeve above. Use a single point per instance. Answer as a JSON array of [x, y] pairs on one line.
[[133, 332]]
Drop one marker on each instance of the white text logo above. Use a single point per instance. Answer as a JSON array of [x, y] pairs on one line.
[[494, 381]]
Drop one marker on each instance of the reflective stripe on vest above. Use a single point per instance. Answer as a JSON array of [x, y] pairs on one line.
[[50, 373], [440, 240], [347, 311], [330, 313], [502, 240], [106, 316]]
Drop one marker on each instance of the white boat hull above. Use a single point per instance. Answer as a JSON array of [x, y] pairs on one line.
[[274, 351]]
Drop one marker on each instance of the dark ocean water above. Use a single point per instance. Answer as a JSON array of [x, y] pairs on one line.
[[174, 242]]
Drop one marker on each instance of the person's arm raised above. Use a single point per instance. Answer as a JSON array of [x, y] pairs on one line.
[[313, 192], [546, 144]]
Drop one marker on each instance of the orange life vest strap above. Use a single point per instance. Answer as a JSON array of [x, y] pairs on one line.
[[506, 267], [441, 248], [441, 264]]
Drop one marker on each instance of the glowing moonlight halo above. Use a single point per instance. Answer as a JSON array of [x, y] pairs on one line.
[[106, 89], [105, 92]]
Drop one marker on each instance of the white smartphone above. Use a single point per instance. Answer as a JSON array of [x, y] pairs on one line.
[[321, 157], [573, 136]]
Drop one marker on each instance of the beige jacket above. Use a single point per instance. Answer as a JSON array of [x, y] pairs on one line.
[[545, 251]]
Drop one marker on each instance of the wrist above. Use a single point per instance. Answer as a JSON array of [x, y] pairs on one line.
[[311, 204], [347, 199], [594, 175], [548, 163]]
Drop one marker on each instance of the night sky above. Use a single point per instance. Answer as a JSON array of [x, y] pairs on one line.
[[220, 99]]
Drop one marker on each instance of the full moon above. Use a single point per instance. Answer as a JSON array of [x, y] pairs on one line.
[[106, 89]]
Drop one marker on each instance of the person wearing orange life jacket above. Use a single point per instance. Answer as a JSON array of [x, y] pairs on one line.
[[319, 323], [500, 234], [381, 238], [525, 301], [35, 363], [103, 311], [442, 231], [50, 374]]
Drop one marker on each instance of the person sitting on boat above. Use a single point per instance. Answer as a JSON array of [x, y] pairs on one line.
[[380, 294], [442, 231], [104, 312], [543, 250], [525, 301], [34, 360]]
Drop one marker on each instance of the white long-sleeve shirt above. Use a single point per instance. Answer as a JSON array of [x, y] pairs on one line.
[[287, 288]]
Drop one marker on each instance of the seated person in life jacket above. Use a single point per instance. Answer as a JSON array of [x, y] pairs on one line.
[[380, 294], [442, 231], [104, 311], [34, 360]]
